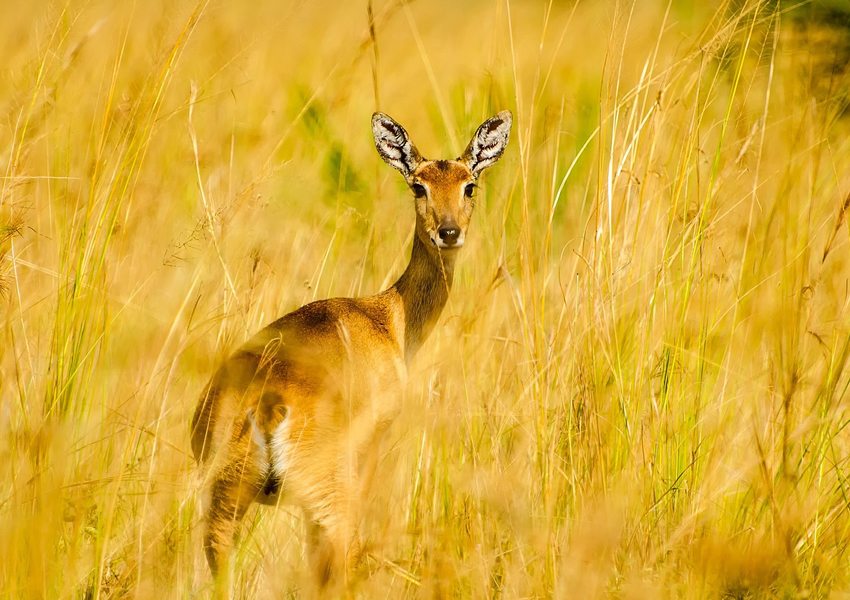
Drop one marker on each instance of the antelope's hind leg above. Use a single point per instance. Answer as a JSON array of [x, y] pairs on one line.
[[228, 505], [234, 486], [333, 546], [333, 516]]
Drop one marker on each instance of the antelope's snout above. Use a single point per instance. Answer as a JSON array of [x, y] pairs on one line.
[[449, 235]]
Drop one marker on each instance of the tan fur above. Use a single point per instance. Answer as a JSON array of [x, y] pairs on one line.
[[312, 394]]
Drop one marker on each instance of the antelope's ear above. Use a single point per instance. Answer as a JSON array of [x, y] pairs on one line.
[[488, 143], [394, 145]]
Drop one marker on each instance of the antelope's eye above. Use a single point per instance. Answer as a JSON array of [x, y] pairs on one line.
[[469, 190], [418, 190]]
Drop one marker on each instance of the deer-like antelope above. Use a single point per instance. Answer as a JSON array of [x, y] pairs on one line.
[[298, 412]]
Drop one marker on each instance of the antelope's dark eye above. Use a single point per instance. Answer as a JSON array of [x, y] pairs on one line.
[[469, 190], [418, 190]]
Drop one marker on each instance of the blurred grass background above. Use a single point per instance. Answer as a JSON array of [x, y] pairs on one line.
[[639, 388]]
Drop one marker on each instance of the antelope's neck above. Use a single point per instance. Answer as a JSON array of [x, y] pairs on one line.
[[423, 290]]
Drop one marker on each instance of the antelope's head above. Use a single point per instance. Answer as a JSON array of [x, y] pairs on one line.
[[444, 189]]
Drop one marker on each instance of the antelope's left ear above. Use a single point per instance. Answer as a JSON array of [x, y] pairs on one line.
[[488, 143]]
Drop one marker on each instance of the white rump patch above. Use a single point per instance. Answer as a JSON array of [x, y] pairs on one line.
[[281, 448], [273, 455], [259, 441]]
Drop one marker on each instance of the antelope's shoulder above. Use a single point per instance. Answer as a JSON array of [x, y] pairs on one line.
[[327, 326]]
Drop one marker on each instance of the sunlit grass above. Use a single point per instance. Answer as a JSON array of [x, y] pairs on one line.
[[639, 388]]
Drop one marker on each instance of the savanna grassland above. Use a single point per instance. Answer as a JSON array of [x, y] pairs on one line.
[[638, 390]]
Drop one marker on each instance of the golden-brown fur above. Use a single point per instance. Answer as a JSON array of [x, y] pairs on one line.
[[298, 412]]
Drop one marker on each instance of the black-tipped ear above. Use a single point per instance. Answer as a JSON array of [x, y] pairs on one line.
[[394, 145], [488, 143]]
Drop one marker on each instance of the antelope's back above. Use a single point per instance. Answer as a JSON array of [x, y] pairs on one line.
[[326, 364]]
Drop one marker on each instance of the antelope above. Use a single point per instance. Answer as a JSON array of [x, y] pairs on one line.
[[297, 414]]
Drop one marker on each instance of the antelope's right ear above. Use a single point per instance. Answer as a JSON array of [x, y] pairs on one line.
[[394, 145]]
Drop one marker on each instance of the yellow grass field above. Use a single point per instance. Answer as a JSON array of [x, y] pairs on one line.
[[639, 388]]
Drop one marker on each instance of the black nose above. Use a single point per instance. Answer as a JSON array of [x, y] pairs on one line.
[[449, 235]]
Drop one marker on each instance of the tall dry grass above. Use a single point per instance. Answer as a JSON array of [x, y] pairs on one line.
[[639, 388]]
